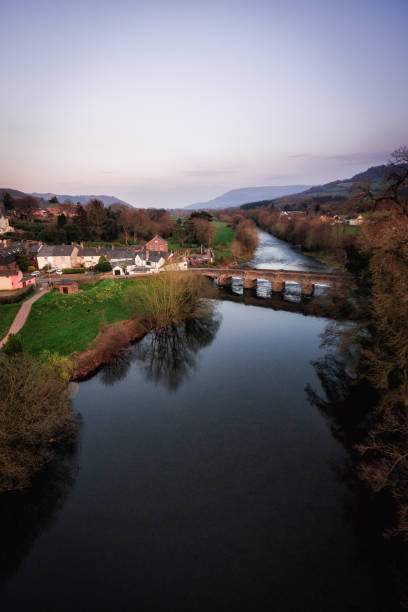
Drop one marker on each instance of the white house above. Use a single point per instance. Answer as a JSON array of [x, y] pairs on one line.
[[60, 256], [4, 225], [154, 260]]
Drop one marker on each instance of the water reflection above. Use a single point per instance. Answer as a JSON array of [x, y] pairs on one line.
[[348, 403], [167, 358], [171, 357], [25, 515]]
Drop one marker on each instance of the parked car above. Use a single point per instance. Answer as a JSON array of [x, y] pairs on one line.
[[35, 273], [58, 271]]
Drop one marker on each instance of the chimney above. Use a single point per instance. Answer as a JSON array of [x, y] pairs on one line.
[[81, 244], [113, 247]]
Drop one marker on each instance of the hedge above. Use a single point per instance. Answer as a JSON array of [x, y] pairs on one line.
[[73, 270], [17, 297]]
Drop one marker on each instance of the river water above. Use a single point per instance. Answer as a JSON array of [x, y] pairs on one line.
[[207, 477]]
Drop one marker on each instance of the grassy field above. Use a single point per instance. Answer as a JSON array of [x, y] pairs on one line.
[[7, 314], [223, 235], [69, 323]]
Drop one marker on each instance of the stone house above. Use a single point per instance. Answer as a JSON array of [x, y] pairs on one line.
[[60, 256], [88, 257]]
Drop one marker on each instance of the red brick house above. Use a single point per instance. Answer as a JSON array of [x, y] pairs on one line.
[[157, 244]]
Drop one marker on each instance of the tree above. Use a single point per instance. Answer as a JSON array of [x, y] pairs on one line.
[[204, 231], [53, 200], [103, 264], [8, 201], [26, 205], [35, 416], [96, 216], [23, 261], [61, 220], [394, 195]]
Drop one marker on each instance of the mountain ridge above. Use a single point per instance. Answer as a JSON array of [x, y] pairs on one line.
[[236, 197]]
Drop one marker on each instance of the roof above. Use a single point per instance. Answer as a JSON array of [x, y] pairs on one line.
[[59, 250], [88, 251], [118, 254], [10, 272], [155, 256], [67, 282], [127, 262]]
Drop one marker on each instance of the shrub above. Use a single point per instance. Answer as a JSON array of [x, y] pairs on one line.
[[13, 345], [103, 265], [35, 415], [73, 270], [18, 296], [168, 298]]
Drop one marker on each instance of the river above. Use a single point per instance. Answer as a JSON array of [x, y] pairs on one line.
[[207, 477]]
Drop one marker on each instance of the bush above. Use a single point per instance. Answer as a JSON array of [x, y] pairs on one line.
[[13, 345], [17, 297], [168, 298], [35, 415], [103, 265], [73, 270]]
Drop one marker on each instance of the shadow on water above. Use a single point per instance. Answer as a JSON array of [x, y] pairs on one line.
[[169, 357], [25, 515], [347, 404]]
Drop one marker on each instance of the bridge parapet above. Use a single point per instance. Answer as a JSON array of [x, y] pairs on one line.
[[307, 279]]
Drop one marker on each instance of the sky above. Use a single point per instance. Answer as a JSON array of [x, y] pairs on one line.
[[169, 103]]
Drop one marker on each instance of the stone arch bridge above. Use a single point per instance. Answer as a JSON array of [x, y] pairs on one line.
[[306, 279]]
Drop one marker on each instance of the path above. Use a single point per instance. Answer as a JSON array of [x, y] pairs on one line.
[[22, 314]]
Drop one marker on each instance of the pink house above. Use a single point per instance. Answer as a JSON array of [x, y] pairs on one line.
[[12, 278]]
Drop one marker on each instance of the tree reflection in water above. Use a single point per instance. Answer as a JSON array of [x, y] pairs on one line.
[[348, 405], [25, 515], [168, 357]]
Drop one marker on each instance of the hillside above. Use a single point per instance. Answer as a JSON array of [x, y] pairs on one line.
[[338, 190], [82, 199], [236, 197]]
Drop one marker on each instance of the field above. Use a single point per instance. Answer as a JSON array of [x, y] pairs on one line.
[[224, 235], [69, 323]]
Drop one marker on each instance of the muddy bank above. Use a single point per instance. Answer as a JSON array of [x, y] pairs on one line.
[[109, 343]]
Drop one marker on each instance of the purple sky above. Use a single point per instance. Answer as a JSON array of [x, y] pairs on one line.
[[167, 103]]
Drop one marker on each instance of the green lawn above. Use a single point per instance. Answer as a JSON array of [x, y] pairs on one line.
[[7, 314], [223, 235], [69, 323]]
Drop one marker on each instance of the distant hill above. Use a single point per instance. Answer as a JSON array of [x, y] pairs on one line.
[[236, 197], [13, 192], [82, 199], [329, 192]]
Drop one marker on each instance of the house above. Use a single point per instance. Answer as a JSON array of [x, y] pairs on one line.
[[11, 278], [125, 267], [152, 260], [60, 256], [177, 263], [88, 257], [4, 225], [67, 286], [157, 244]]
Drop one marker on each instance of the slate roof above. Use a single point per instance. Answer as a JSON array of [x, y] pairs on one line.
[[155, 256], [118, 254], [127, 262], [88, 251], [59, 250]]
